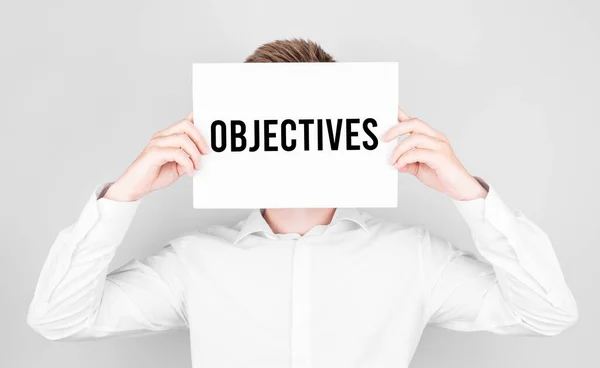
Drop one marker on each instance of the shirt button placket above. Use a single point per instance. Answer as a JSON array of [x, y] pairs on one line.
[[300, 308]]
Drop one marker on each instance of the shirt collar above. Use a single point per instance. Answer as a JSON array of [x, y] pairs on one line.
[[255, 222]]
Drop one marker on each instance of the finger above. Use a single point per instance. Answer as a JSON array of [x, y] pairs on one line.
[[416, 140], [402, 116], [412, 125], [422, 155], [187, 127], [412, 168], [181, 141], [203, 145], [171, 154], [190, 116]]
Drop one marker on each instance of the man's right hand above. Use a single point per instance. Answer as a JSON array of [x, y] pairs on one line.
[[170, 153]]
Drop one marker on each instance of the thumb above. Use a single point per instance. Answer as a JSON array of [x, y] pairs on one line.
[[411, 168]]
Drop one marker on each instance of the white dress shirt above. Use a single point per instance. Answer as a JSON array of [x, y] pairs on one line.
[[355, 293]]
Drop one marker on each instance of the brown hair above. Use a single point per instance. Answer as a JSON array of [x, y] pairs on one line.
[[290, 51]]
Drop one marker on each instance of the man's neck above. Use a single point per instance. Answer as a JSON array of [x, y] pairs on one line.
[[297, 220]]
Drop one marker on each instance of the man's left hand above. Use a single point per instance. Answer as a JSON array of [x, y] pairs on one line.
[[427, 154]]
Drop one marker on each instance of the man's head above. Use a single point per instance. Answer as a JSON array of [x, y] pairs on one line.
[[290, 51]]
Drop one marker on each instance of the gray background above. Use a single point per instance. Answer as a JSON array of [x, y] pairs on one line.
[[83, 85]]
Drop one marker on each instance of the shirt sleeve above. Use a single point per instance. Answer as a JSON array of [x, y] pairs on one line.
[[75, 298], [518, 287]]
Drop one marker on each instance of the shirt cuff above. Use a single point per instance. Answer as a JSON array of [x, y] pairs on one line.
[[113, 215], [118, 215], [481, 213]]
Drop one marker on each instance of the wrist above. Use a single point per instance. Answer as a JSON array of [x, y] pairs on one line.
[[116, 192], [474, 190]]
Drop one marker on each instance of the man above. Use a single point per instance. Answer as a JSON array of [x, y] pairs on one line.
[[319, 287]]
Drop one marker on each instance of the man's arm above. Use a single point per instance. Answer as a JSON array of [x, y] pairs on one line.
[[75, 298], [518, 288]]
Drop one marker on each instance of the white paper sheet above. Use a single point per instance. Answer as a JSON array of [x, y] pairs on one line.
[[303, 176]]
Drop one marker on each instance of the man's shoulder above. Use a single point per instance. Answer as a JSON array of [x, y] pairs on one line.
[[428, 243], [211, 236], [384, 227]]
